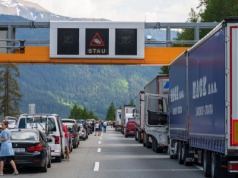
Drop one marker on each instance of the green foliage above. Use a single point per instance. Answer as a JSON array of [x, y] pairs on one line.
[[111, 112], [132, 103], [10, 95], [78, 112], [218, 10], [164, 70], [56, 88], [209, 11]]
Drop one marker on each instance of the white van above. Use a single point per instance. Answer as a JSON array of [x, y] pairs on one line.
[[51, 125]]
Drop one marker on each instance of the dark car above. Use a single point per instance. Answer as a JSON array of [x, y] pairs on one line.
[[31, 148]]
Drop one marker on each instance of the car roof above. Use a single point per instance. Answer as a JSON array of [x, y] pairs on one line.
[[39, 114], [30, 130], [65, 119]]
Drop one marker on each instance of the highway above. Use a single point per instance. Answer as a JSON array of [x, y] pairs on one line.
[[114, 156]]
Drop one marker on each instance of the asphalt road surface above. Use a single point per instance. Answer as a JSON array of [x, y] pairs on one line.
[[114, 156]]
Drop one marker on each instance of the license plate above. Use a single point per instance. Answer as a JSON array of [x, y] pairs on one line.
[[19, 149]]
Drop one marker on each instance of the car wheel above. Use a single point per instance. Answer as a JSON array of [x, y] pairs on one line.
[[58, 159], [126, 136], [44, 168], [49, 163]]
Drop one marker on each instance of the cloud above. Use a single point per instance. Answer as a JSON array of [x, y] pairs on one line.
[[123, 10]]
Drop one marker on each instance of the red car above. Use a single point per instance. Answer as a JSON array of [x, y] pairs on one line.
[[130, 128]]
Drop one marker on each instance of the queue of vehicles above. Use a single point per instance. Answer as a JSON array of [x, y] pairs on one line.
[[194, 116], [38, 138]]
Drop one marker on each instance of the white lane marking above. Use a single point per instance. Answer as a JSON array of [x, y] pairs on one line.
[[99, 150], [199, 167], [99, 142], [152, 170], [96, 166]]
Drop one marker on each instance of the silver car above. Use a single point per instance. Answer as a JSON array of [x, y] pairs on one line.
[[82, 132]]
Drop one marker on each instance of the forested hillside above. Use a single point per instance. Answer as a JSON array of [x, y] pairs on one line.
[[55, 88]]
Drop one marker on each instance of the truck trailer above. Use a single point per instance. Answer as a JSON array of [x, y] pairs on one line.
[[117, 119], [139, 116], [155, 133], [203, 102]]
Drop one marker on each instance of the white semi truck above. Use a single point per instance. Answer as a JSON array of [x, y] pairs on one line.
[[155, 133]]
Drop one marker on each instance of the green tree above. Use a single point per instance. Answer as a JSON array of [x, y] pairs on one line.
[[111, 112], [76, 112], [85, 113], [217, 10], [164, 70], [10, 94], [209, 11], [91, 115], [132, 103]]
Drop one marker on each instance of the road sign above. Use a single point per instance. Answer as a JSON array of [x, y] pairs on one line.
[[126, 42], [97, 42], [105, 40], [68, 41]]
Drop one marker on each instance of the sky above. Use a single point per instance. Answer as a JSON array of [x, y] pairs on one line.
[[123, 10]]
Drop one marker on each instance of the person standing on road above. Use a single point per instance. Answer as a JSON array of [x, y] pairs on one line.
[[96, 129], [6, 149], [100, 128], [104, 126], [66, 140]]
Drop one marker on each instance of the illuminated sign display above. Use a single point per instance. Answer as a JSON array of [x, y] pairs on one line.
[[92, 40], [97, 42]]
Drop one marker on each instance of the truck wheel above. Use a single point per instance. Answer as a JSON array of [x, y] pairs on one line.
[[215, 164], [153, 145], [206, 163], [184, 156], [148, 145], [144, 140], [180, 160], [136, 135]]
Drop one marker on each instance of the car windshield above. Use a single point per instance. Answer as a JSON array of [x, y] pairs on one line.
[[68, 124], [38, 122], [24, 135], [11, 122], [131, 119]]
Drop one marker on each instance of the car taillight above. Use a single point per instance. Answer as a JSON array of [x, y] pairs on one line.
[[57, 139], [37, 147]]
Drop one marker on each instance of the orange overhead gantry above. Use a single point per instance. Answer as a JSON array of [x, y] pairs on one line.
[[40, 55], [10, 52]]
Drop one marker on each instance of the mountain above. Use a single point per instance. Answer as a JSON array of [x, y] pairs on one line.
[[33, 11], [55, 88]]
